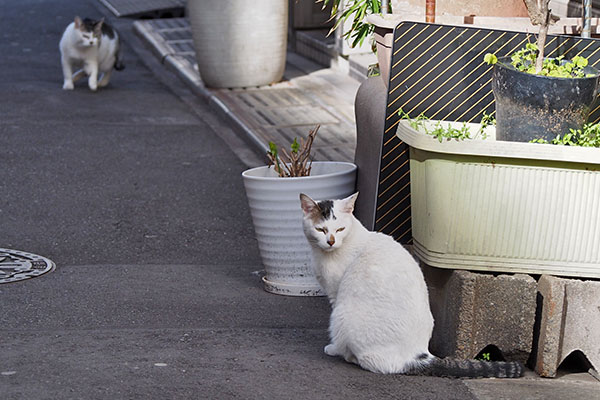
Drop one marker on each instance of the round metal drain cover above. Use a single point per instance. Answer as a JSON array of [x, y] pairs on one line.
[[18, 265]]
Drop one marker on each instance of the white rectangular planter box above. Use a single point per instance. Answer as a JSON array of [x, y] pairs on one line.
[[505, 206]]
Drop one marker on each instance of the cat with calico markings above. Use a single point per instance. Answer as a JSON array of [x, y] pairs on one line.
[[380, 316], [93, 48]]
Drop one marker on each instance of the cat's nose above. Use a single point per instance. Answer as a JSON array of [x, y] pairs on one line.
[[331, 240]]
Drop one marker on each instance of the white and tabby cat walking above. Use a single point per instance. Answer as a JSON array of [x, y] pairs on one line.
[[380, 318], [92, 47]]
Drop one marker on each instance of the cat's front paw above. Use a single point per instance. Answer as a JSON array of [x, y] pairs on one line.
[[68, 86], [331, 350], [93, 83]]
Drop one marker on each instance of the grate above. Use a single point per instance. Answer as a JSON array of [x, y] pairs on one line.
[[18, 265], [146, 8]]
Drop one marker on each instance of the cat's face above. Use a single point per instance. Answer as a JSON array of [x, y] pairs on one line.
[[327, 223], [89, 31]]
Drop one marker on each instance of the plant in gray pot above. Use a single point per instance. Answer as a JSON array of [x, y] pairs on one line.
[[239, 43], [273, 196], [540, 98]]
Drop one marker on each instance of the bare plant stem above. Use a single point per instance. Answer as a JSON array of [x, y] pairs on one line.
[[540, 14], [295, 163], [541, 42]]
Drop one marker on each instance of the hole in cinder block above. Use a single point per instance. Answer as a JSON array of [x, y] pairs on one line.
[[575, 362], [539, 304], [490, 353]]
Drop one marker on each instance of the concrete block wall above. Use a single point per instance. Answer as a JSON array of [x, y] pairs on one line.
[[473, 310], [569, 321]]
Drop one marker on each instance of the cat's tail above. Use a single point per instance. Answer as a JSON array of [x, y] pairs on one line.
[[455, 368], [119, 64]]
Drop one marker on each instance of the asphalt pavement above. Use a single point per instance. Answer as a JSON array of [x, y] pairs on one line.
[[135, 192]]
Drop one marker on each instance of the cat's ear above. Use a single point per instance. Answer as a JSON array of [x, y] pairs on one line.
[[309, 206], [348, 203], [98, 26], [78, 22]]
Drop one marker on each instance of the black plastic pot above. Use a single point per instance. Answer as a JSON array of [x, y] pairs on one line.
[[532, 106]]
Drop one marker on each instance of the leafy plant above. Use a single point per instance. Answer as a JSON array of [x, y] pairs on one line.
[[484, 357], [531, 59], [588, 136], [524, 60], [298, 161], [449, 132], [356, 11]]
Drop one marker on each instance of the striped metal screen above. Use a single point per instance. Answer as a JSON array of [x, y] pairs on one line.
[[438, 71]]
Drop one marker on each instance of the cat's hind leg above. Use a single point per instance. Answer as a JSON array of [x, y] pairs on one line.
[[375, 363], [104, 79], [387, 361], [80, 73], [333, 351]]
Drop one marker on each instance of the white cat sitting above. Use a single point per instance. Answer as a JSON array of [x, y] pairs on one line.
[[380, 316], [92, 46]]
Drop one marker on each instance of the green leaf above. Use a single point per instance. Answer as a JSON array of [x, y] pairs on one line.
[[490, 59], [295, 146], [531, 47], [273, 148], [579, 61]]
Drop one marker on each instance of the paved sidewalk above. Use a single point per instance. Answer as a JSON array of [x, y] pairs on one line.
[[308, 95]]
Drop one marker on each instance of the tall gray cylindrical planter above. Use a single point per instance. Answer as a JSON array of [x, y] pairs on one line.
[[277, 216], [239, 43]]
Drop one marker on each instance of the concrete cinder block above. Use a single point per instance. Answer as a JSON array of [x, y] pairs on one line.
[[570, 321], [473, 310]]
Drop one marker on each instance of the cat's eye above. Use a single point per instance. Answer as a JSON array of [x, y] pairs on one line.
[[323, 230], [341, 229]]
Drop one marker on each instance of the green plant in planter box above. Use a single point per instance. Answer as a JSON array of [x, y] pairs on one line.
[[531, 58], [538, 97], [587, 136], [524, 60], [448, 132]]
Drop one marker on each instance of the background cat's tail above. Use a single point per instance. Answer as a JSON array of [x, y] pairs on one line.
[[119, 64], [454, 368]]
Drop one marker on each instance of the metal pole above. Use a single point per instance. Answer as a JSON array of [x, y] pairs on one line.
[[587, 19], [384, 7], [429, 10]]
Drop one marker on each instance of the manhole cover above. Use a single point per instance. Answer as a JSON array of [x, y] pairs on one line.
[[18, 265]]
